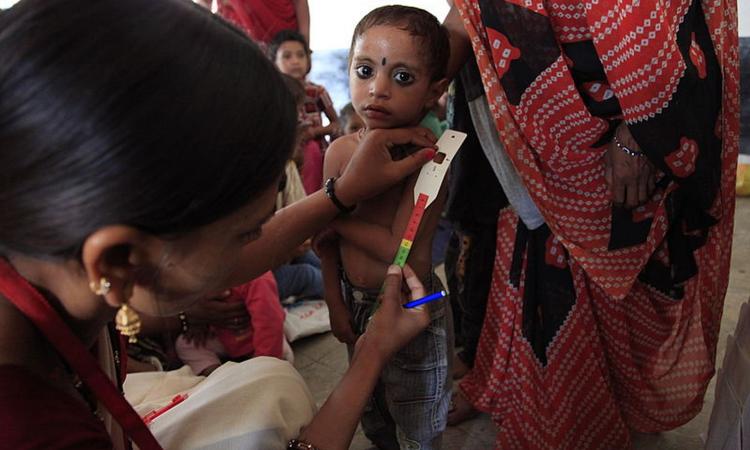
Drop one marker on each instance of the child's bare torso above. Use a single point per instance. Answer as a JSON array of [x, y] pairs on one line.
[[363, 269]]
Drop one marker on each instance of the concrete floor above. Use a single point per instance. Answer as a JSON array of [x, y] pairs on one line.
[[322, 361]]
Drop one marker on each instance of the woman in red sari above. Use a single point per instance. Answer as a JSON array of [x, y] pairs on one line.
[[139, 167], [622, 121], [263, 19]]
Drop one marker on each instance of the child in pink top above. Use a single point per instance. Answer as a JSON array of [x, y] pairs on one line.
[[290, 52], [263, 337]]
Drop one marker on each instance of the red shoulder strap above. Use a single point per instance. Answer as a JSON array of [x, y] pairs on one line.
[[31, 303]]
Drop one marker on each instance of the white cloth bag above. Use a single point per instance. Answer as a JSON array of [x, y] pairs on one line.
[[258, 404], [306, 318]]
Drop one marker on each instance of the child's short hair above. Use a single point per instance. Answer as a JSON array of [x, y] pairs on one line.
[[286, 36], [420, 24]]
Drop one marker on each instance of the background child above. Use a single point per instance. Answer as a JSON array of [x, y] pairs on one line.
[[397, 66], [264, 337], [291, 54], [350, 120], [301, 276]]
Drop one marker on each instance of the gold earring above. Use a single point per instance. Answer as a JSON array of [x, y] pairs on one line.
[[128, 323], [103, 288]]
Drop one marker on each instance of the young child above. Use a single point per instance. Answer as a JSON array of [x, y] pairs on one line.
[[264, 336], [397, 64], [350, 120], [300, 277], [290, 52]]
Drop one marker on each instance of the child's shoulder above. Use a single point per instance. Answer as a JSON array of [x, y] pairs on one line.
[[343, 145], [339, 153]]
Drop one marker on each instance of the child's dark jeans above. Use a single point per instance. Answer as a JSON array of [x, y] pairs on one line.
[[410, 403]]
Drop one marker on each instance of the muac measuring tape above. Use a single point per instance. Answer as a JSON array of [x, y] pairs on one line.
[[426, 190]]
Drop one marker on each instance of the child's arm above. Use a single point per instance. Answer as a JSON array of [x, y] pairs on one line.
[[332, 128], [302, 11], [266, 315], [382, 242], [341, 323], [327, 248]]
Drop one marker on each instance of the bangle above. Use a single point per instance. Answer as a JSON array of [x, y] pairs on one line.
[[629, 151], [183, 321], [331, 193], [296, 444]]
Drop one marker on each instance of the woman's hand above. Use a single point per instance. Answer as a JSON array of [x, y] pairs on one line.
[[372, 170], [215, 311], [630, 178], [393, 326]]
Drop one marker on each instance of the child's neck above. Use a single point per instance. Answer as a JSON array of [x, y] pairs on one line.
[[417, 122]]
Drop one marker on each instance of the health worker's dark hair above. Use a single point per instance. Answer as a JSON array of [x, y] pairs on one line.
[[150, 113]]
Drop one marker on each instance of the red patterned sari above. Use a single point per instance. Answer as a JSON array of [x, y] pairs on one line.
[[606, 319], [260, 19]]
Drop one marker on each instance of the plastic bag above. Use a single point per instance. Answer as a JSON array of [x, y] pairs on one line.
[[306, 318]]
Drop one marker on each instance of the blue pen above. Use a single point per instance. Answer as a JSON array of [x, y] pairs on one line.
[[423, 300]]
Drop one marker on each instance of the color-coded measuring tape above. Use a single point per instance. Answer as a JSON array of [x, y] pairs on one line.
[[411, 230], [426, 190]]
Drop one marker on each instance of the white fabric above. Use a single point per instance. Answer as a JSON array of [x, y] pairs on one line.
[[506, 174], [293, 189], [306, 318], [729, 427], [257, 404]]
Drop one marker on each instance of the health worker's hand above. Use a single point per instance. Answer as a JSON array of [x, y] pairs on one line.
[[393, 326], [372, 170]]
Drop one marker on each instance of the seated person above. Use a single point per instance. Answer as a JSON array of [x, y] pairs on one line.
[[203, 348], [300, 277]]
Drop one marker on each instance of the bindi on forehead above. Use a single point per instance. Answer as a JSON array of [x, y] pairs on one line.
[[383, 62]]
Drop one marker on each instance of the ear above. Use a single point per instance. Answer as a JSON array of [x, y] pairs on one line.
[[121, 254], [437, 88]]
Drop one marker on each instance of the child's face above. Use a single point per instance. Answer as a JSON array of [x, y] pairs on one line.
[[354, 124], [291, 59], [389, 80]]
